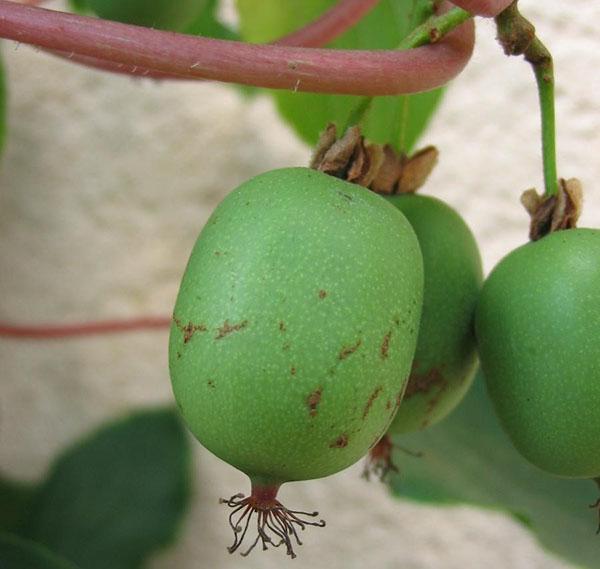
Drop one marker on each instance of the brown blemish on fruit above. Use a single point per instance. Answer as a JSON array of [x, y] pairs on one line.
[[340, 442], [346, 196], [322, 294], [313, 401], [188, 329], [228, 328], [218, 253], [370, 401], [293, 370], [424, 382], [210, 383], [178, 355], [282, 327], [349, 350], [286, 346], [388, 404], [385, 346], [399, 398]]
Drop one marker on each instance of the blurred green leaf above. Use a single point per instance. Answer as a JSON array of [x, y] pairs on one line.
[[161, 14], [79, 6], [208, 25], [19, 553], [118, 495], [395, 120], [467, 458], [15, 502]]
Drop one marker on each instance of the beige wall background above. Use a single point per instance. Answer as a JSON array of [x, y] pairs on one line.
[[105, 183]]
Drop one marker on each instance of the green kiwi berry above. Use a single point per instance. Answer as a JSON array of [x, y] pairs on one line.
[[445, 359], [294, 330], [538, 330]]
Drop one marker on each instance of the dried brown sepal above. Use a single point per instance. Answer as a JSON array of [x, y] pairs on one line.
[[326, 141], [335, 158], [367, 164], [375, 166], [416, 169], [380, 460], [554, 213], [386, 180], [275, 524]]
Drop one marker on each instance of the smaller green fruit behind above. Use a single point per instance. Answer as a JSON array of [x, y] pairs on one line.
[[296, 324], [445, 360], [173, 15], [538, 331]]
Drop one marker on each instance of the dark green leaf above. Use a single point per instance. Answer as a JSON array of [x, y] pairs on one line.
[[117, 496], [396, 120], [161, 14], [19, 553], [15, 502], [468, 459], [79, 6]]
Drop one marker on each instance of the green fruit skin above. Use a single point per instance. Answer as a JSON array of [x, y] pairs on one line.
[[538, 330], [161, 14], [445, 359], [306, 325]]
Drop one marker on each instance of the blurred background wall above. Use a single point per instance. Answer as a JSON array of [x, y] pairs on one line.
[[104, 185]]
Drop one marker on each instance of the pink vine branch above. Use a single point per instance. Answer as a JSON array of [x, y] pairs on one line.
[[57, 331], [334, 22], [370, 73], [489, 8]]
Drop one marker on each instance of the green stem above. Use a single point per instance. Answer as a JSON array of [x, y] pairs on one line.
[[517, 36], [544, 76], [431, 31], [435, 28]]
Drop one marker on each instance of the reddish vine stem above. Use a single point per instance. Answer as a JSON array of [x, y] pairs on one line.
[[56, 331], [489, 8], [381, 72], [331, 24]]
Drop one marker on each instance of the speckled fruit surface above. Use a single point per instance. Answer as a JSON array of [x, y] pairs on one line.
[[445, 358], [295, 325], [538, 329]]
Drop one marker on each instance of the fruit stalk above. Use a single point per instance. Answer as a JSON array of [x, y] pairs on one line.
[[431, 31], [517, 37]]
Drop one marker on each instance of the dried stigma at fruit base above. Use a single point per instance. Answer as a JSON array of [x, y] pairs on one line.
[[293, 335], [537, 327], [445, 360]]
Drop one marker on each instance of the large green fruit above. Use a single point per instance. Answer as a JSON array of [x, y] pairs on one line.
[[445, 359], [163, 14], [295, 325], [293, 335], [538, 330]]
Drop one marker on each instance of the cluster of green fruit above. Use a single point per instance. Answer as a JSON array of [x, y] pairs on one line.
[[315, 317]]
